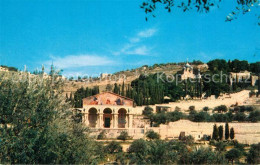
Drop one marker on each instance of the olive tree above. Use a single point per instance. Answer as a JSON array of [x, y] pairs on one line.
[[36, 125]]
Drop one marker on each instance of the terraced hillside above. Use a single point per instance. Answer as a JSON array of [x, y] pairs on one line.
[[126, 76]]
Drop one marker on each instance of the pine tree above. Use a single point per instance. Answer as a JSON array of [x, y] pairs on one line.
[[220, 132], [215, 132], [226, 131], [232, 133]]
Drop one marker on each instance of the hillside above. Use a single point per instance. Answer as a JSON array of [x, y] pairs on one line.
[[127, 76]]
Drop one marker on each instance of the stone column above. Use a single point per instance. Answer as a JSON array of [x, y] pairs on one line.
[[83, 117], [86, 119], [101, 122], [130, 121], [127, 120], [115, 120]]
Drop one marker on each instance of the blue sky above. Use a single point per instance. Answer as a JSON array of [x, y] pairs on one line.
[[96, 36]]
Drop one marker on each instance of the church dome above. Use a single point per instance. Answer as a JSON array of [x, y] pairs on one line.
[[188, 65]]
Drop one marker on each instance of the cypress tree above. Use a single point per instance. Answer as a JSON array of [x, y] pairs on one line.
[[116, 89], [232, 133], [71, 100], [220, 132], [215, 132], [258, 82], [226, 131], [67, 98], [123, 89]]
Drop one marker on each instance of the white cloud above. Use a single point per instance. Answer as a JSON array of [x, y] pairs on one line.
[[133, 45], [143, 50], [147, 33], [75, 61], [134, 39]]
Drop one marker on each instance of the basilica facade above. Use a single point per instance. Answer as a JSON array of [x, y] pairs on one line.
[[108, 110]]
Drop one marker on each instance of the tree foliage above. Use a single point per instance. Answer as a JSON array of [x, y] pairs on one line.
[[215, 132], [152, 135], [123, 136], [232, 133], [113, 147], [226, 131], [242, 6], [36, 125], [83, 93], [233, 154], [220, 132], [253, 156]]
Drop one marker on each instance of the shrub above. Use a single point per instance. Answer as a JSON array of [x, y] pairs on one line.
[[201, 117], [192, 108], [206, 109], [253, 156], [113, 147], [221, 108], [203, 156], [188, 139], [233, 154], [148, 111], [121, 158], [174, 116], [177, 108], [252, 93], [220, 146], [240, 116], [101, 135], [236, 109], [152, 135], [123, 136], [159, 118], [161, 152], [246, 108], [220, 117], [138, 151], [254, 116]]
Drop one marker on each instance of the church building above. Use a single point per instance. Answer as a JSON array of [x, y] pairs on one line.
[[108, 110]]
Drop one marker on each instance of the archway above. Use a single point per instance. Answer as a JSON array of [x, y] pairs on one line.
[[107, 117], [92, 117], [121, 118]]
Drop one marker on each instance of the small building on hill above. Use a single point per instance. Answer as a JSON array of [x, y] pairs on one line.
[[187, 72]]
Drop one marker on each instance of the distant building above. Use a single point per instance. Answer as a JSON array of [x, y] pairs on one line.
[[203, 66], [3, 69], [243, 76], [187, 72], [104, 75]]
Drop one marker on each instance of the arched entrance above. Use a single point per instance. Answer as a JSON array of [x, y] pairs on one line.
[[107, 117], [121, 118], [92, 117]]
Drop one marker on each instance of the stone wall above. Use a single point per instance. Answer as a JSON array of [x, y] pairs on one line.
[[248, 133], [236, 98], [244, 132]]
